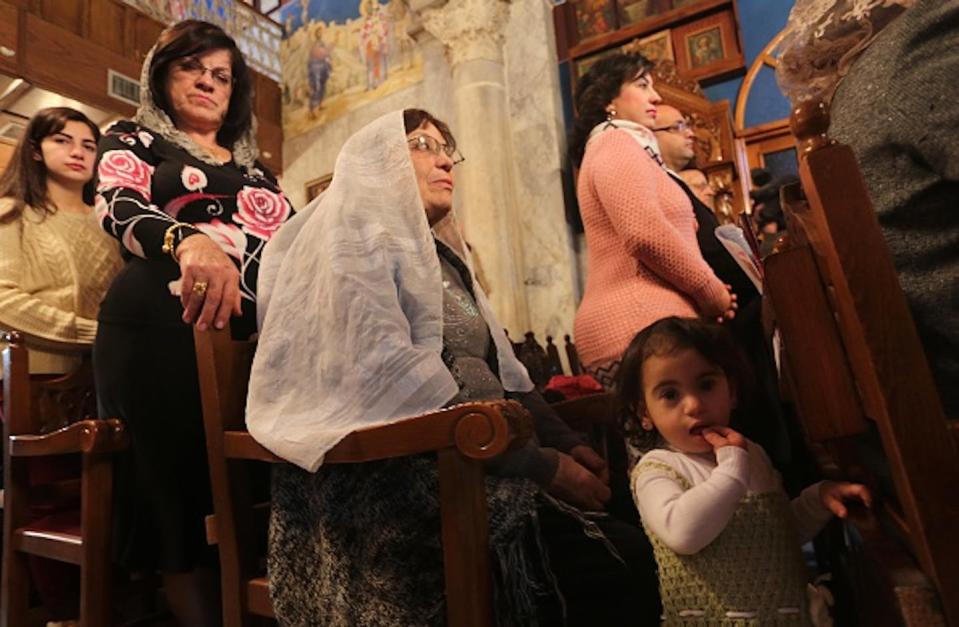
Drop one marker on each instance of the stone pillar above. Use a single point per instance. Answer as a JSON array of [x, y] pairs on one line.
[[471, 32]]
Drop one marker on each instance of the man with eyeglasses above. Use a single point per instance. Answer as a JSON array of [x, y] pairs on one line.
[[675, 137]]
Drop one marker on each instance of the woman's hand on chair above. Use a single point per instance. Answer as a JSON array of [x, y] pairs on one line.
[[575, 484], [210, 283], [589, 458]]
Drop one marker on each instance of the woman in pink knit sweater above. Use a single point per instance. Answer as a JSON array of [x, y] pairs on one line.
[[644, 261]]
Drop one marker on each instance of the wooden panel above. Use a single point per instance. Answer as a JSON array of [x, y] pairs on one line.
[[8, 38], [268, 110], [106, 19], [269, 136], [6, 152], [827, 400], [267, 103], [883, 348], [145, 32], [68, 15], [62, 62]]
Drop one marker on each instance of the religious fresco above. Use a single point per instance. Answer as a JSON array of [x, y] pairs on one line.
[[338, 55], [595, 17]]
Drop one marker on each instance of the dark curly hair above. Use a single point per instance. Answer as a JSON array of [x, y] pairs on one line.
[[596, 89], [665, 337], [192, 38]]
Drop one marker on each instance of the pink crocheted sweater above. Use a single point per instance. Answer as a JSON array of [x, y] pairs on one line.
[[644, 262]]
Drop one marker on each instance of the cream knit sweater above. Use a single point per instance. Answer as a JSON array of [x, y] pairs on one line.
[[54, 271]]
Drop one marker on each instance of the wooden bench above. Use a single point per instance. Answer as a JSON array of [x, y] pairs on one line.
[[856, 367]]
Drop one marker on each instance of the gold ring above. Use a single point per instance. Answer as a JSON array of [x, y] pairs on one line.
[[200, 287]]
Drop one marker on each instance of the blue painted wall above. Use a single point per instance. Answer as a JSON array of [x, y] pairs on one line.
[[759, 21]]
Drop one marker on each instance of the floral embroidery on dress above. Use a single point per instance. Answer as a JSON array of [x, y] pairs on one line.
[[122, 168], [193, 178], [260, 211]]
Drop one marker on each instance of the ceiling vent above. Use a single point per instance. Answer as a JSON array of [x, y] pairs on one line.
[[123, 88], [12, 131]]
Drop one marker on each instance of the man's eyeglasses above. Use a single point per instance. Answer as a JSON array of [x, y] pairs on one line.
[[679, 127], [425, 143], [193, 68]]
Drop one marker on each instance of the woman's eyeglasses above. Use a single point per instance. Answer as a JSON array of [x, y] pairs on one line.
[[425, 143], [193, 68]]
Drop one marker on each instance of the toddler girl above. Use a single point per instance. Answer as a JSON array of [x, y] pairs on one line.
[[726, 538]]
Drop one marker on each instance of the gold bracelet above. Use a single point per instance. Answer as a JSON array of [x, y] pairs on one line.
[[169, 239]]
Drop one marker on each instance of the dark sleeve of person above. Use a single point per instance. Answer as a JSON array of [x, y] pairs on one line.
[[124, 182], [716, 254], [530, 461], [928, 92], [538, 459], [550, 428]]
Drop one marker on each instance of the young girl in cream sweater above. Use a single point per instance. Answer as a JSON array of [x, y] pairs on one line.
[[56, 263]]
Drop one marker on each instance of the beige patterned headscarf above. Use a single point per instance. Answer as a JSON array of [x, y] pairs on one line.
[[823, 38], [150, 115]]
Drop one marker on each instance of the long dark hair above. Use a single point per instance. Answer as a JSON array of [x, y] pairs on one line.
[[25, 179], [193, 38], [665, 337], [596, 89]]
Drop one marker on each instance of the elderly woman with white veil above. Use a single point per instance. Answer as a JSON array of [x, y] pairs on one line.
[[378, 317]]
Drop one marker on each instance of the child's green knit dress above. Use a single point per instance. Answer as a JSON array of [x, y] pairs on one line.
[[751, 574]]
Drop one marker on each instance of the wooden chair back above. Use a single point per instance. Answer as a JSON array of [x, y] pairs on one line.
[[461, 436], [857, 366], [55, 417], [572, 356], [238, 525]]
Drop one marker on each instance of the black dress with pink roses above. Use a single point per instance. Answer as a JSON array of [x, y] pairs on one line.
[[144, 361]]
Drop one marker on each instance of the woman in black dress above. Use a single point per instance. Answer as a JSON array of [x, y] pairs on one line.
[[180, 187]]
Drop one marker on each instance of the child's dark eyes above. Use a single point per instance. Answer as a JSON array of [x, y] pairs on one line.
[[668, 394]]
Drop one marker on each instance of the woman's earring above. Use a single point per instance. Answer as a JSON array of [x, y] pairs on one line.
[[610, 114], [646, 424]]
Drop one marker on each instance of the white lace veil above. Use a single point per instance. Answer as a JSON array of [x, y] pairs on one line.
[[822, 40], [350, 307]]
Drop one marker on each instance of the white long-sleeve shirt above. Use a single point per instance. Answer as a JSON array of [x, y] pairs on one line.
[[689, 520]]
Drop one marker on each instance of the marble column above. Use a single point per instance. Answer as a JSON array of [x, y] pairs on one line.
[[472, 34]]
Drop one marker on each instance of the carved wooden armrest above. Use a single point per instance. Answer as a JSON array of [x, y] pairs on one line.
[[84, 436], [478, 430]]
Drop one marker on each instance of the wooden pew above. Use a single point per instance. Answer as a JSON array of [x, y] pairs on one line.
[[462, 437], [856, 367], [45, 418]]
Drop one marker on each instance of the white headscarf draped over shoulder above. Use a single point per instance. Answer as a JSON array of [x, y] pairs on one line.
[[822, 40], [351, 308]]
